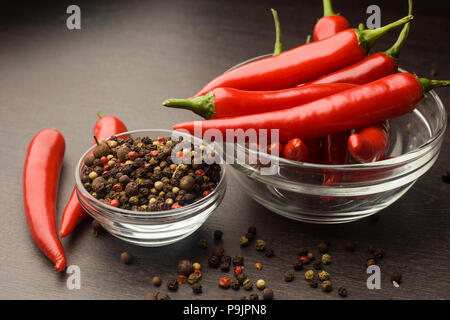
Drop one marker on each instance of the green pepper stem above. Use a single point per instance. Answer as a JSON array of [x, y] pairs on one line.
[[368, 37], [328, 8], [278, 48], [308, 38], [394, 51], [202, 105], [428, 85], [361, 26], [100, 114]]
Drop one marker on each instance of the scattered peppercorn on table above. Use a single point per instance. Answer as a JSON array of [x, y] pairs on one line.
[[53, 77]]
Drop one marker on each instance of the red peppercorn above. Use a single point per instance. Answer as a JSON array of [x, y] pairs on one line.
[[161, 139], [225, 282], [181, 279], [114, 202], [198, 273], [132, 155], [106, 167], [117, 187], [106, 171], [147, 165], [206, 192], [176, 205], [238, 270], [304, 259], [275, 148], [104, 160], [200, 172], [154, 153]]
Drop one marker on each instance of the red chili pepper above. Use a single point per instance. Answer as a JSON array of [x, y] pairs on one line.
[[370, 143], [229, 102], [369, 69], [297, 150], [206, 192], [304, 63], [40, 186], [74, 213], [176, 205], [330, 24], [386, 98], [334, 151]]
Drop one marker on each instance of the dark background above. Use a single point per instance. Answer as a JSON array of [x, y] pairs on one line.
[[128, 58]]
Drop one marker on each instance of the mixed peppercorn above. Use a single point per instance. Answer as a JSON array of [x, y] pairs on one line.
[[141, 174]]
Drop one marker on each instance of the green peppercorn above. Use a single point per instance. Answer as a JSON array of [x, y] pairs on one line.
[[309, 275], [323, 275], [260, 245], [247, 284], [133, 200], [327, 286], [243, 241], [326, 258], [193, 278]]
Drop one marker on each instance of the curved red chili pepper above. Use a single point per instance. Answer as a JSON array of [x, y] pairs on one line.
[[74, 213], [229, 102], [40, 186], [386, 98], [304, 63], [370, 143], [330, 24], [296, 149]]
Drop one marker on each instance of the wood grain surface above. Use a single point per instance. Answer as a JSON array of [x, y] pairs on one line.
[[128, 58]]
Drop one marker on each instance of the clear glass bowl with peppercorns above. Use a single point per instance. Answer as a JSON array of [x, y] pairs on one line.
[[143, 191], [296, 190]]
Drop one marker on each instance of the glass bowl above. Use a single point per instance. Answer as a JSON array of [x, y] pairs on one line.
[[151, 229], [295, 189]]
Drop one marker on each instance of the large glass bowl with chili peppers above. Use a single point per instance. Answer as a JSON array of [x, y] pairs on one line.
[[169, 223], [296, 190]]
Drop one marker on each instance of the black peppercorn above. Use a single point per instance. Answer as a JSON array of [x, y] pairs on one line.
[[323, 247], [235, 285], [241, 278], [350, 245], [197, 288], [214, 261], [218, 234], [254, 296], [250, 236], [172, 284], [396, 276], [224, 266], [288, 276], [164, 296], [252, 230], [185, 267], [378, 253], [218, 251], [317, 265], [238, 260], [203, 243], [313, 283], [225, 259], [298, 265], [342, 292], [302, 252], [269, 252], [97, 227]]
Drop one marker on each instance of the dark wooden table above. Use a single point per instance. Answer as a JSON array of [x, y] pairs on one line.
[[130, 56]]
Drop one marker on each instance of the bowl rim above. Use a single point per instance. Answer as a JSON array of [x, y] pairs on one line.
[[405, 157], [150, 214]]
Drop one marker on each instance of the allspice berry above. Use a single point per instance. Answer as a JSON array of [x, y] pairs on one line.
[[185, 267], [126, 257], [152, 296], [100, 150], [122, 153], [267, 294], [156, 281], [187, 183], [396, 276]]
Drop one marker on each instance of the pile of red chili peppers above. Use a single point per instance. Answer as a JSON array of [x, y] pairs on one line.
[[330, 101]]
